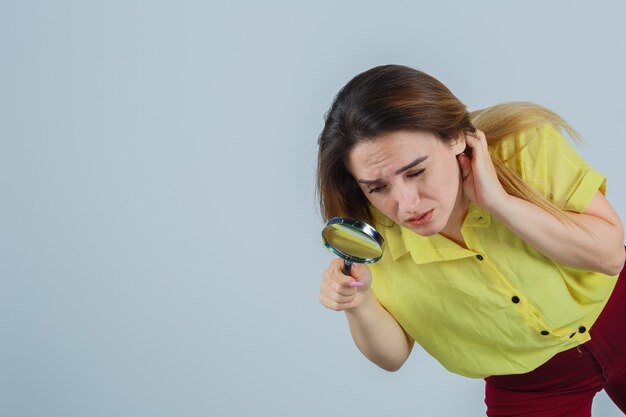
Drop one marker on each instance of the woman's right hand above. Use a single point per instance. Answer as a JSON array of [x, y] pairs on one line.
[[341, 292]]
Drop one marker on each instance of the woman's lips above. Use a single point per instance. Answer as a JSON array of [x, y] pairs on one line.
[[419, 220]]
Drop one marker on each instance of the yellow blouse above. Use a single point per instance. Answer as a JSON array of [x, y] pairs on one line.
[[498, 307]]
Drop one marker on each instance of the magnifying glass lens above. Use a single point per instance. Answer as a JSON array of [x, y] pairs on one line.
[[353, 241]]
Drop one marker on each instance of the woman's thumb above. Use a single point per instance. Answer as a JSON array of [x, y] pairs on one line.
[[356, 273]]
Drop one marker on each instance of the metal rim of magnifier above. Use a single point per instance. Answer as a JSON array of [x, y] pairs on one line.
[[359, 226]]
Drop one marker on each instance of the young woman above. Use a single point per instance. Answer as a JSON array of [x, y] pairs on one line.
[[502, 254]]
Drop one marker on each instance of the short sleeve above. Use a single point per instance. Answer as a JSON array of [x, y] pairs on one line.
[[546, 160]]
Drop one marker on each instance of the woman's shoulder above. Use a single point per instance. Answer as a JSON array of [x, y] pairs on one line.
[[526, 142]]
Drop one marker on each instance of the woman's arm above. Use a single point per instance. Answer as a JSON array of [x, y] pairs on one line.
[[600, 249], [378, 335], [374, 331]]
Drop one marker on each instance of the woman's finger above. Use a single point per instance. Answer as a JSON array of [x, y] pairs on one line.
[[333, 287], [336, 305]]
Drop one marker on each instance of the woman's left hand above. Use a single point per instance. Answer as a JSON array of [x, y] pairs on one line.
[[480, 181]]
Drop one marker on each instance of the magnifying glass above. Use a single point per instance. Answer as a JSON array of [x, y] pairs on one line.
[[353, 241]]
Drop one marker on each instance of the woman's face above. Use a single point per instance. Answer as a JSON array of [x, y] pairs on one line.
[[412, 177]]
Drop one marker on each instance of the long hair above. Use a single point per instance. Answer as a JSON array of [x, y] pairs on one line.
[[393, 97]]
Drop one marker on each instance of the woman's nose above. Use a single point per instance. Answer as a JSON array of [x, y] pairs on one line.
[[409, 201]]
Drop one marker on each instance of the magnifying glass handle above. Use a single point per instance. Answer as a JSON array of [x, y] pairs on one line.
[[347, 265]]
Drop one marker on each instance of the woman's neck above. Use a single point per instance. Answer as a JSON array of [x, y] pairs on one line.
[[452, 229]]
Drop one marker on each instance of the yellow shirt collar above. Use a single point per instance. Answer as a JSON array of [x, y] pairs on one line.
[[426, 249]]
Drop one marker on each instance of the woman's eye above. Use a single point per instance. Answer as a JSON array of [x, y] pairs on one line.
[[376, 189], [416, 173]]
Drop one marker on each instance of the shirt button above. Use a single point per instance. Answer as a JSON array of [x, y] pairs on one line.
[[545, 332], [479, 257], [515, 299], [582, 329]]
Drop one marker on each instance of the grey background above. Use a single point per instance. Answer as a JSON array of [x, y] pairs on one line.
[[159, 237]]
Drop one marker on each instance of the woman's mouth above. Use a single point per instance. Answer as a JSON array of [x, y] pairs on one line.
[[421, 219]]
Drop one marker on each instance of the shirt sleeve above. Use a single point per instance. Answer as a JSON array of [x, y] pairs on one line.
[[546, 160]]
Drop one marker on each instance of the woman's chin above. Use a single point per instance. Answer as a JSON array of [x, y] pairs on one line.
[[426, 230]]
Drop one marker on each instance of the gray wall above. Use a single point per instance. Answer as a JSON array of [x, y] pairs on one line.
[[159, 238]]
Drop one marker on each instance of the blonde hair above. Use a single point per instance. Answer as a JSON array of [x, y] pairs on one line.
[[505, 119]]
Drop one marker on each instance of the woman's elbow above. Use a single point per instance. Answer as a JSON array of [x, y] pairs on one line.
[[394, 364], [392, 367], [613, 265]]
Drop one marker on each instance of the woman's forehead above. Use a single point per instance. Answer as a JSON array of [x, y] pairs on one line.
[[395, 145], [387, 153]]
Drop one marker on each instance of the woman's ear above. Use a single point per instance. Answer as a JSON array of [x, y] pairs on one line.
[[458, 143]]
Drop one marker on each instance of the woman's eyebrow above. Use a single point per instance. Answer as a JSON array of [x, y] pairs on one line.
[[399, 171], [411, 165]]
